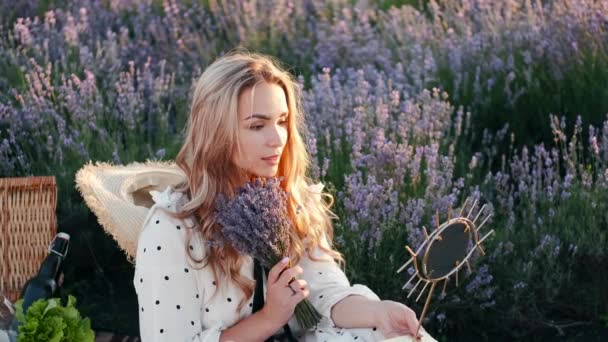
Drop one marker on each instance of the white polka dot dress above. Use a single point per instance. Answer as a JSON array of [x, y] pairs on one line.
[[176, 302]]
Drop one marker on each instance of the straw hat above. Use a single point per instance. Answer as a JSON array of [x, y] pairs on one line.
[[121, 195]]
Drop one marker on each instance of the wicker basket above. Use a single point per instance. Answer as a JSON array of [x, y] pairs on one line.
[[28, 223]]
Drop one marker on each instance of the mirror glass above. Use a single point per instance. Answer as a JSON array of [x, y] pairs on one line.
[[443, 253]]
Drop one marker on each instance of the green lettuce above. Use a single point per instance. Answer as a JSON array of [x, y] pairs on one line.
[[49, 320]]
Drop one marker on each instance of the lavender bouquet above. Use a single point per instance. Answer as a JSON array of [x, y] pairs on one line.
[[255, 223]]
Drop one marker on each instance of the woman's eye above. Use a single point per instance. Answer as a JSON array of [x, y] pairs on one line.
[[259, 127]]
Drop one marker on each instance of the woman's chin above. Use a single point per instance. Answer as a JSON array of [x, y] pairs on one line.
[[265, 173]]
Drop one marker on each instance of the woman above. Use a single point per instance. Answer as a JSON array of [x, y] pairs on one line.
[[245, 122]]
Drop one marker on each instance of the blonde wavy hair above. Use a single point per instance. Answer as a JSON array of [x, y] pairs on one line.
[[206, 157]]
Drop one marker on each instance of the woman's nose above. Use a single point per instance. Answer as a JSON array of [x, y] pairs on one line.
[[276, 136]]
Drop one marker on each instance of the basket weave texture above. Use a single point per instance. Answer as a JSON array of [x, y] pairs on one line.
[[28, 223]]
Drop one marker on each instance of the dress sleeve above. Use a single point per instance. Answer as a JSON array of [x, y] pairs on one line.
[[328, 284], [167, 291]]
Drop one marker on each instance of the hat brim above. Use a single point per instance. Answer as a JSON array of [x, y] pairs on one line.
[[119, 195]]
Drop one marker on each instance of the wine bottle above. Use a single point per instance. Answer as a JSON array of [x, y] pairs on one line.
[[45, 283]]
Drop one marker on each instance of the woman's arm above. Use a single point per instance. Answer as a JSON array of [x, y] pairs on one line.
[[392, 319], [355, 311], [329, 286], [167, 292], [353, 306]]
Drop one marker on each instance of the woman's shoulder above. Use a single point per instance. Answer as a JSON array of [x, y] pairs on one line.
[[168, 199], [164, 234], [159, 215]]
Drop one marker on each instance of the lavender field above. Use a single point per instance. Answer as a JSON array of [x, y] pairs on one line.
[[411, 107]]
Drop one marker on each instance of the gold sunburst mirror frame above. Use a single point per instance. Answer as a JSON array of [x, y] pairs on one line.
[[444, 252]]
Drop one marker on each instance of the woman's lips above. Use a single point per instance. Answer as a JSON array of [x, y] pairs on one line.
[[271, 161]]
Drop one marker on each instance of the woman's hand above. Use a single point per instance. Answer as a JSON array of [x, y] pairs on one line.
[[283, 292], [395, 319]]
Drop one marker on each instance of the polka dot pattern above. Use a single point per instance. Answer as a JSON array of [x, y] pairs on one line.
[[177, 303], [165, 280]]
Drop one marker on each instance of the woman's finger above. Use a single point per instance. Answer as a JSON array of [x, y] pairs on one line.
[[290, 290], [411, 321], [289, 274], [275, 271], [299, 296], [299, 283]]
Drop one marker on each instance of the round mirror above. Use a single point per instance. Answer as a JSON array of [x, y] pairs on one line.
[[443, 252], [447, 250]]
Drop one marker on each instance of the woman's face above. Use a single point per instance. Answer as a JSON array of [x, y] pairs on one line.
[[262, 129]]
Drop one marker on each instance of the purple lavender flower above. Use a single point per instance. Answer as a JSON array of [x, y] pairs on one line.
[[254, 222]]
